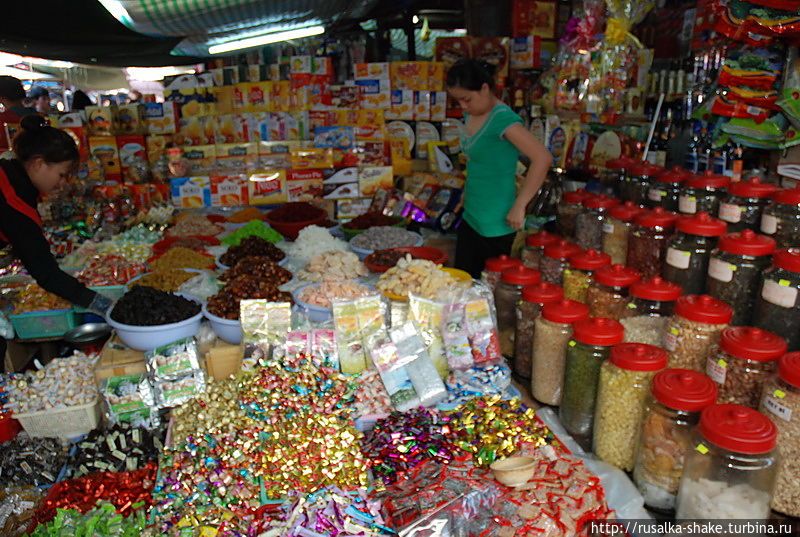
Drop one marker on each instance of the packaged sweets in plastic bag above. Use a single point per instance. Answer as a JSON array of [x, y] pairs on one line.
[[323, 347], [173, 392], [356, 321], [173, 360], [393, 372], [129, 399], [264, 328], [455, 337], [421, 370], [427, 315]]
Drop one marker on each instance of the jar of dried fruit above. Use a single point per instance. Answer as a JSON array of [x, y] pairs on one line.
[[742, 362], [651, 304], [735, 269], [507, 295], [554, 260], [781, 403], [551, 334], [666, 186], [778, 306], [616, 229], [568, 208], [589, 222], [694, 329], [702, 193], [636, 183], [731, 471], [607, 295], [647, 243], [579, 274], [495, 266], [589, 347], [534, 248], [781, 218], [677, 396], [689, 251], [534, 297], [742, 205]]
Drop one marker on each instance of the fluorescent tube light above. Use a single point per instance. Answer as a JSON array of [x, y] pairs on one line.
[[266, 39]]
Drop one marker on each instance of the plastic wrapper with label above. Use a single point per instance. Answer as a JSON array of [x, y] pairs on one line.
[[427, 315], [319, 344], [130, 399], [469, 331], [264, 328], [356, 321], [175, 372]]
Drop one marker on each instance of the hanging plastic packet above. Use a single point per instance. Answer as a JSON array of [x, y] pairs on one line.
[[264, 328], [423, 374], [173, 360], [393, 372], [482, 330], [130, 399], [790, 93], [355, 322], [174, 392], [456, 339], [427, 315], [297, 343]]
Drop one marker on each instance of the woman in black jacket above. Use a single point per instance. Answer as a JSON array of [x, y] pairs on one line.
[[45, 159]]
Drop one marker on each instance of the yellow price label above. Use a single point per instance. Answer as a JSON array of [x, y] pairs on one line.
[[780, 394], [572, 343], [722, 363], [674, 331], [701, 448], [784, 283]]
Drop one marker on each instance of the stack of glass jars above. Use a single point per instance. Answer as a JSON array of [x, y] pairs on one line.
[[666, 187], [735, 269], [616, 228], [647, 243], [568, 209], [702, 193], [533, 250], [689, 251], [507, 294], [731, 471], [615, 172], [607, 295], [677, 398], [778, 306], [579, 274], [589, 224], [534, 297], [495, 266], [744, 202], [781, 218], [694, 330], [554, 261], [651, 304]]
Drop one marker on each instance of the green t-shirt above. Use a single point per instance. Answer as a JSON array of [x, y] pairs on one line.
[[491, 187]]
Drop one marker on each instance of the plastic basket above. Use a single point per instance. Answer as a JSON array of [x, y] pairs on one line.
[[68, 422], [43, 324], [114, 292]]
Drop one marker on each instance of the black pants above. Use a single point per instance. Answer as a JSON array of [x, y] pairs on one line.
[[473, 249], [3, 347]]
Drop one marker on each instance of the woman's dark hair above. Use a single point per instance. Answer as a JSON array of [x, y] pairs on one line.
[[471, 74], [80, 100], [36, 139]]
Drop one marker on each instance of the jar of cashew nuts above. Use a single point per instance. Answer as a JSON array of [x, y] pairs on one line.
[[677, 396], [624, 386], [694, 330]]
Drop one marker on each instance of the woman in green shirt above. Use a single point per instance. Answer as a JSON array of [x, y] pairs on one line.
[[494, 208]]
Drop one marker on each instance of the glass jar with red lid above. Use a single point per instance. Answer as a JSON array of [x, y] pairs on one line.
[[552, 332], [742, 205], [607, 295], [615, 171], [506, 296], [589, 223], [554, 260], [568, 209], [781, 218], [702, 193], [652, 302], [590, 346], [647, 243], [781, 404], [624, 386], [735, 269], [677, 396], [688, 253], [616, 229], [742, 362], [694, 329], [778, 305], [534, 248], [495, 266], [578, 276], [666, 187], [533, 298], [636, 183], [731, 470]]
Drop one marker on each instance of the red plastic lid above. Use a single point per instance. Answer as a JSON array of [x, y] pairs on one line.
[[789, 368], [501, 263], [590, 259], [598, 331], [620, 163], [542, 293], [748, 242], [657, 217], [750, 343], [708, 180], [752, 188], [601, 201], [656, 289], [704, 309], [625, 212], [561, 249], [738, 429], [701, 224], [645, 169], [788, 196], [683, 389], [521, 275], [575, 196], [542, 238], [787, 259], [675, 175], [616, 275], [565, 311], [639, 357]]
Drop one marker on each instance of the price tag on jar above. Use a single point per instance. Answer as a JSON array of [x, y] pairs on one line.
[[655, 194], [678, 258], [717, 370], [772, 404], [730, 212], [671, 340], [608, 227], [780, 293], [721, 270], [687, 204], [769, 224]]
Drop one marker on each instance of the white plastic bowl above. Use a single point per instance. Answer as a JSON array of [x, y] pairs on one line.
[[146, 338], [227, 330], [362, 254]]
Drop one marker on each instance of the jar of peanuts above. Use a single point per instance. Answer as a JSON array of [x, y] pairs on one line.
[[694, 330]]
